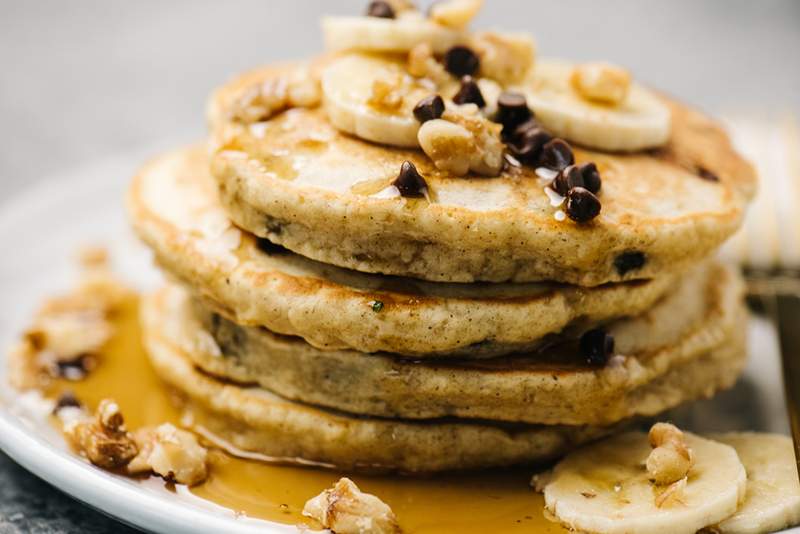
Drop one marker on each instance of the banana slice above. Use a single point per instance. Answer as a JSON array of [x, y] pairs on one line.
[[772, 501], [373, 34], [640, 121], [373, 97], [604, 488]]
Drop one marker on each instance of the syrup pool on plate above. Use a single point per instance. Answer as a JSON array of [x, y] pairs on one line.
[[489, 501]]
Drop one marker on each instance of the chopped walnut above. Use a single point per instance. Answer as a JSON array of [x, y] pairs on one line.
[[170, 452], [462, 141], [103, 439], [345, 509], [449, 145], [300, 88], [671, 458], [387, 94], [67, 330], [455, 13], [505, 57], [601, 82], [672, 495], [423, 64]]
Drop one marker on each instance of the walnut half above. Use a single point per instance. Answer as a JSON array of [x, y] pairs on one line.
[[170, 452], [671, 458], [103, 439], [345, 509]]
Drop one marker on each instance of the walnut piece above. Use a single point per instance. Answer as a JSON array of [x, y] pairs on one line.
[[68, 329], [672, 494], [345, 509], [170, 452], [300, 88], [455, 13], [505, 57], [423, 64], [601, 82], [462, 141], [103, 439], [387, 93], [671, 458]]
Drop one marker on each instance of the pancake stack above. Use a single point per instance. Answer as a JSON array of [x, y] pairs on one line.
[[413, 255]]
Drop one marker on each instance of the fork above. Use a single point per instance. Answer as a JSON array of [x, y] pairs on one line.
[[768, 245]]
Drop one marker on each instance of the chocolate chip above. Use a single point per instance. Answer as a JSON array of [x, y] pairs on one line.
[[429, 108], [582, 205], [381, 10], [629, 261], [705, 174], [527, 141], [591, 177], [512, 110], [75, 369], [268, 247], [377, 306], [469, 93], [596, 346], [409, 182], [461, 61], [66, 400], [556, 155], [567, 178]]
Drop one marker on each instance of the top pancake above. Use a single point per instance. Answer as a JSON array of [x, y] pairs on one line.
[[298, 181]]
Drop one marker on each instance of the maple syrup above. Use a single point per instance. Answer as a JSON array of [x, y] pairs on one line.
[[488, 501]]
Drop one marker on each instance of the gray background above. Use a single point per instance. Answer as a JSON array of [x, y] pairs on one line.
[[83, 80]]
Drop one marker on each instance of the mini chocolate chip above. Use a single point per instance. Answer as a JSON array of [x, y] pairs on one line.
[[582, 205], [429, 108], [469, 93], [567, 178], [527, 141], [268, 247], [66, 400], [556, 155], [461, 61], [381, 10], [377, 306], [629, 261], [512, 110], [409, 182], [596, 346], [705, 174], [75, 369], [591, 177]]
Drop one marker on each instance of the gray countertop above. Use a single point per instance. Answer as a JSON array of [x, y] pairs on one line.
[[82, 80]]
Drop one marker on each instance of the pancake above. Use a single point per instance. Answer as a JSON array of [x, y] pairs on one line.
[[687, 346], [299, 182], [174, 207], [256, 421]]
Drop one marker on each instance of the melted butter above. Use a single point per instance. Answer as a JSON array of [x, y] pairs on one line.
[[496, 501]]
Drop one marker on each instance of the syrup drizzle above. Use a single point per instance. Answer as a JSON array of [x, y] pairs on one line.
[[490, 501]]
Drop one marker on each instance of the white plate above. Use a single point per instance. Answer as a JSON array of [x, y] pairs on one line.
[[40, 232]]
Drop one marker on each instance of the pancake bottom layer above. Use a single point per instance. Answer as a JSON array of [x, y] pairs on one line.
[[255, 420]]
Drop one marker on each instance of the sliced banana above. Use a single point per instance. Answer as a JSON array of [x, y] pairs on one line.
[[348, 88], [373, 34], [373, 97], [604, 488], [772, 501], [640, 121]]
